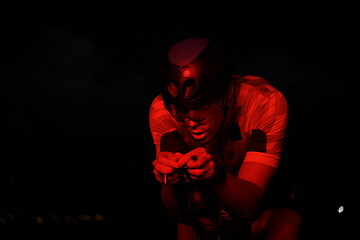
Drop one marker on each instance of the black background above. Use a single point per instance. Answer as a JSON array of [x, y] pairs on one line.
[[77, 81]]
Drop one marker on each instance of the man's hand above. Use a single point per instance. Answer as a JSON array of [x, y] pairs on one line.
[[199, 163], [166, 167]]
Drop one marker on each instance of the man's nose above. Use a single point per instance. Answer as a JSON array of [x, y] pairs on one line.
[[190, 123]]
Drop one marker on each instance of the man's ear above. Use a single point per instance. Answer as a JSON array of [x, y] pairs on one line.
[[227, 98]]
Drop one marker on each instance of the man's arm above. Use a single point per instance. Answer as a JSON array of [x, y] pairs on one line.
[[167, 142], [244, 193], [241, 194]]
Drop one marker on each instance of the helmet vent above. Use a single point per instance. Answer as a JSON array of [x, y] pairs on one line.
[[189, 88], [173, 89]]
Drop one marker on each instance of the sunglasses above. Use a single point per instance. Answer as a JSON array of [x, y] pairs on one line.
[[195, 113]]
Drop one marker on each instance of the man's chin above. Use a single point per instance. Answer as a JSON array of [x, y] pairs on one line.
[[201, 140]]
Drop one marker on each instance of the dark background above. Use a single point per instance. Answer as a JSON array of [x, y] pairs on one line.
[[77, 81]]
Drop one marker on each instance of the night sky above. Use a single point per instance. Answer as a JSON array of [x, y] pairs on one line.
[[77, 81]]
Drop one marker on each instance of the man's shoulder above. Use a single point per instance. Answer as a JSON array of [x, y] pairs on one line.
[[158, 112], [255, 82], [251, 85], [157, 103]]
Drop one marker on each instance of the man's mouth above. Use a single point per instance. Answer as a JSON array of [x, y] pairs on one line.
[[198, 135]]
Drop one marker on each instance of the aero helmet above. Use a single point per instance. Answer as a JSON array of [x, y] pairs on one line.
[[193, 72]]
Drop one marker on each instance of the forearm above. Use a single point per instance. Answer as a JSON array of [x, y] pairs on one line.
[[238, 195], [169, 200]]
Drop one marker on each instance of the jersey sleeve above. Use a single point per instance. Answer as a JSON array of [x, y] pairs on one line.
[[267, 129], [161, 122]]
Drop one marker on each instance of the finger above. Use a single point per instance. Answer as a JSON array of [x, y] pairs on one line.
[[201, 171], [189, 156], [154, 162], [163, 169], [169, 160], [201, 161], [168, 155], [201, 175], [173, 178], [159, 179], [198, 172], [184, 159], [209, 174], [178, 156], [158, 176]]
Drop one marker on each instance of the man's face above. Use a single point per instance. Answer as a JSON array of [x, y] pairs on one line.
[[203, 122]]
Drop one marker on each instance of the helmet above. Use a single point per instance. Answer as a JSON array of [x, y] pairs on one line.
[[194, 72]]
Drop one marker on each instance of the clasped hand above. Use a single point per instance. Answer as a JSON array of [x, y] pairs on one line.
[[198, 161]]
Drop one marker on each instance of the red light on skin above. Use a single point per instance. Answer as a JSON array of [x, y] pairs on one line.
[[186, 72]]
